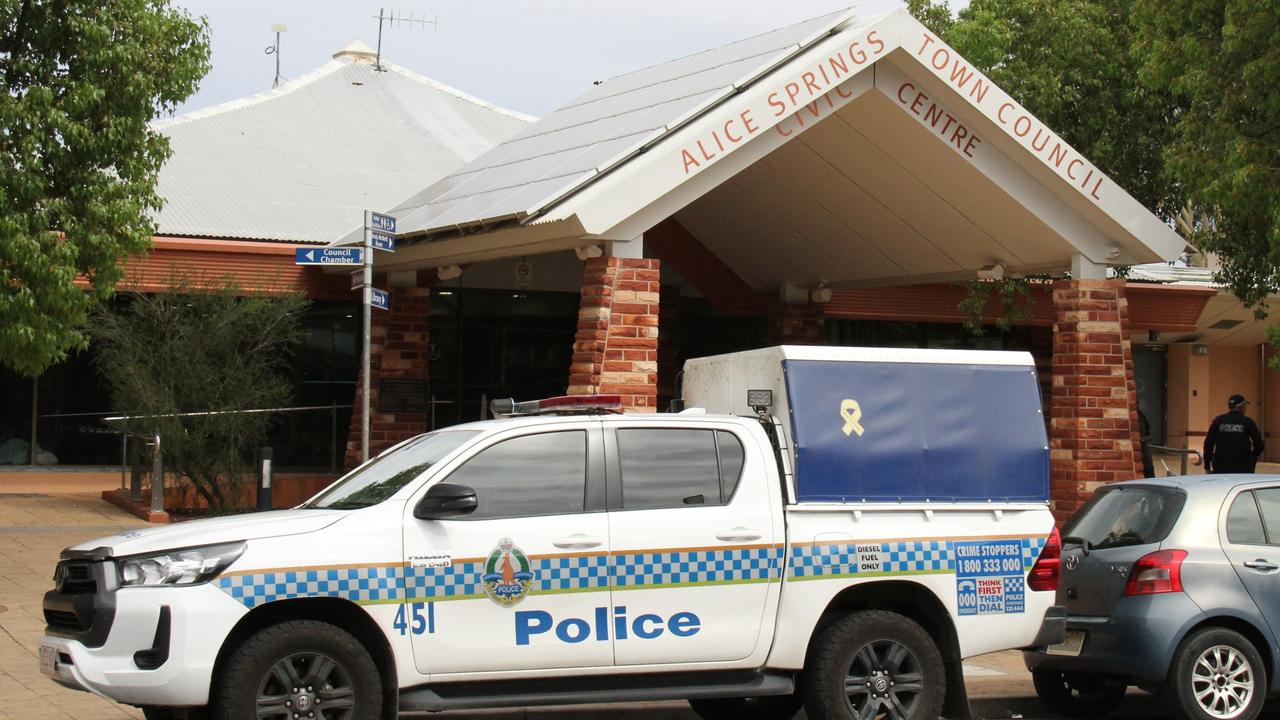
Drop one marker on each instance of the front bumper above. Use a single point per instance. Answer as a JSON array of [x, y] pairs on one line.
[[1135, 643], [137, 664]]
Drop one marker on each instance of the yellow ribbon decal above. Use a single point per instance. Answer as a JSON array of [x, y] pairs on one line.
[[852, 413]]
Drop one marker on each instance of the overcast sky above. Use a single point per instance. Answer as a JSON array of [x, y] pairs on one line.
[[527, 55]]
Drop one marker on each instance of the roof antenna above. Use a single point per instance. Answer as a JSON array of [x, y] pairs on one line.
[[277, 28], [392, 20]]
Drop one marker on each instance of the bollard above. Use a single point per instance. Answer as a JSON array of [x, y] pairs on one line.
[[135, 473], [157, 479], [265, 456]]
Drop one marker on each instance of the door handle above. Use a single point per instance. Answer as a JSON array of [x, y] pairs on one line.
[[738, 534], [578, 541], [1261, 565]]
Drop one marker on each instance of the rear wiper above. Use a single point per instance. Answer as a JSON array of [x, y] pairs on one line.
[[1077, 540]]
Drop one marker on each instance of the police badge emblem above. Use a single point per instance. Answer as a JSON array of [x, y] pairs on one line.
[[508, 575]]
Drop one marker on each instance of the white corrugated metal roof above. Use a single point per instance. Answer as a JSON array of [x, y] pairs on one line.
[[599, 130], [1174, 273], [302, 162]]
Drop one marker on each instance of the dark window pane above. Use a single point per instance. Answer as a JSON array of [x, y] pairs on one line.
[[668, 468], [1269, 503], [732, 456], [380, 479], [1244, 525], [544, 474], [1121, 515]]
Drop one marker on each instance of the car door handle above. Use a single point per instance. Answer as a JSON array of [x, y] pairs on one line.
[[578, 541], [1261, 565], [738, 534]]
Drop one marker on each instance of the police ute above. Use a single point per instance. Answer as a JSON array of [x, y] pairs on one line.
[[818, 527]]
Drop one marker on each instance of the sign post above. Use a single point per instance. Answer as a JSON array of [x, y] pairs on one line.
[[379, 232]]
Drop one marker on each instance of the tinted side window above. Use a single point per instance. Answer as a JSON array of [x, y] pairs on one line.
[[1244, 524], [668, 468], [732, 458], [1269, 503], [544, 474]]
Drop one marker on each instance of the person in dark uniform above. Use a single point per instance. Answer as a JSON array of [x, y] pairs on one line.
[[1233, 444]]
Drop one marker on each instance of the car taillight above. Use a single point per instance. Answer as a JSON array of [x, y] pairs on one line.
[[1157, 572], [1044, 574]]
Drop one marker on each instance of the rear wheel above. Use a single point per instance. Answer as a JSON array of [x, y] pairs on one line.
[[1217, 674], [874, 665], [1076, 694], [774, 707], [300, 669]]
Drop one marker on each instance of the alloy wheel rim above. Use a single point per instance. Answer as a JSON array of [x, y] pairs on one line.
[[306, 686], [1222, 682], [884, 681]]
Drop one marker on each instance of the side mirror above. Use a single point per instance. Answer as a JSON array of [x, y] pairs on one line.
[[445, 501]]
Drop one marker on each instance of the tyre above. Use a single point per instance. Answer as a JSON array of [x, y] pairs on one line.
[[1076, 694], [299, 668], [873, 664], [774, 707], [1217, 674]]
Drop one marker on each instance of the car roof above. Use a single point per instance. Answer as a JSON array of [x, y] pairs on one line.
[[638, 418], [1203, 483]]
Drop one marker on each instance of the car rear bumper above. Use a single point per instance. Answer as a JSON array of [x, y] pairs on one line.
[[1136, 642]]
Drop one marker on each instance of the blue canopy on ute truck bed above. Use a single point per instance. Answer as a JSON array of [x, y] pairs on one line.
[[889, 425]]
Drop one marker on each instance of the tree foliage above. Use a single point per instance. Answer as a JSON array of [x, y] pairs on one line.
[[196, 351], [82, 80], [1221, 58]]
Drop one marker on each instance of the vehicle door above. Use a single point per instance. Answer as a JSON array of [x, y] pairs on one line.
[[1251, 540], [696, 544], [520, 583]]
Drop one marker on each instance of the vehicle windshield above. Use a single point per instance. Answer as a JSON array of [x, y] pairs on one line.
[[380, 479], [1121, 515]]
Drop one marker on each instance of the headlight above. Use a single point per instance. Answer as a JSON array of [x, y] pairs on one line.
[[179, 567]]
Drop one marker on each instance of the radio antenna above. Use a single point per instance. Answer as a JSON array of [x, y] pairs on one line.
[[394, 19], [274, 49]]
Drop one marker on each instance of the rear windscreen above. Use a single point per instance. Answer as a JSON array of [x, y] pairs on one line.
[[1122, 515]]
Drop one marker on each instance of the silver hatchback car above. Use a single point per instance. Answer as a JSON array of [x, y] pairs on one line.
[[1172, 585]]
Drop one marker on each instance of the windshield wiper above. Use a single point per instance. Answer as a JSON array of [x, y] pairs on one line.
[[1076, 540]]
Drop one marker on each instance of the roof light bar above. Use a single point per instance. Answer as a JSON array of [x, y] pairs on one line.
[[560, 405]]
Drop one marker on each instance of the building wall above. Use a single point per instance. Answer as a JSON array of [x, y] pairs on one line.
[[1199, 385]]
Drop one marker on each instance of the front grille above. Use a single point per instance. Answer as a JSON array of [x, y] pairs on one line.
[[75, 578], [63, 620]]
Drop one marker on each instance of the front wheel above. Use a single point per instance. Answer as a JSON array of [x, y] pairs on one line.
[[874, 665], [1217, 674], [300, 669], [1076, 695], [773, 707]]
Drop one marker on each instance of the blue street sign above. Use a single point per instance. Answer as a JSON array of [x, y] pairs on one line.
[[380, 298], [385, 223], [328, 256], [381, 240]]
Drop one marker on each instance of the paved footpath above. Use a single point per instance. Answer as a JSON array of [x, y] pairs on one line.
[[35, 528]]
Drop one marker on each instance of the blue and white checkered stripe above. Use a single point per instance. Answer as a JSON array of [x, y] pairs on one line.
[[895, 558], [901, 558], [1031, 548], [364, 584], [570, 574], [695, 567]]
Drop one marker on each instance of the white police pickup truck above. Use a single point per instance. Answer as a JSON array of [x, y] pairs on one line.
[[847, 526]]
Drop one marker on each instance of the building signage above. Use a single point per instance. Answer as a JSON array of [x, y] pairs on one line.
[[328, 256], [380, 298], [403, 395], [786, 98]]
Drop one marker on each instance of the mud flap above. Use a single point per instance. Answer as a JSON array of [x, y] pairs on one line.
[[955, 706]]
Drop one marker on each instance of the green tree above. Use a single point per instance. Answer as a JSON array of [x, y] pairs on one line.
[[82, 80], [1222, 59], [196, 350]]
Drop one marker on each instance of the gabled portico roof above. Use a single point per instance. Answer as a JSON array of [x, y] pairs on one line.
[[851, 151]]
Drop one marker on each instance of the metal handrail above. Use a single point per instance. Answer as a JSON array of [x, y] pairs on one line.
[[1183, 452]]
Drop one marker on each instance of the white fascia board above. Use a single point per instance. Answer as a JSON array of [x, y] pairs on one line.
[[1072, 168], [820, 80]]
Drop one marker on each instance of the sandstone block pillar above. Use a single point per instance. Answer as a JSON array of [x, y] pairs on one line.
[[615, 350], [1093, 426]]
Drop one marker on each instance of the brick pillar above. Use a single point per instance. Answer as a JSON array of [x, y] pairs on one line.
[[1093, 427], [397, 348], [615, 351], [797, 325]]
